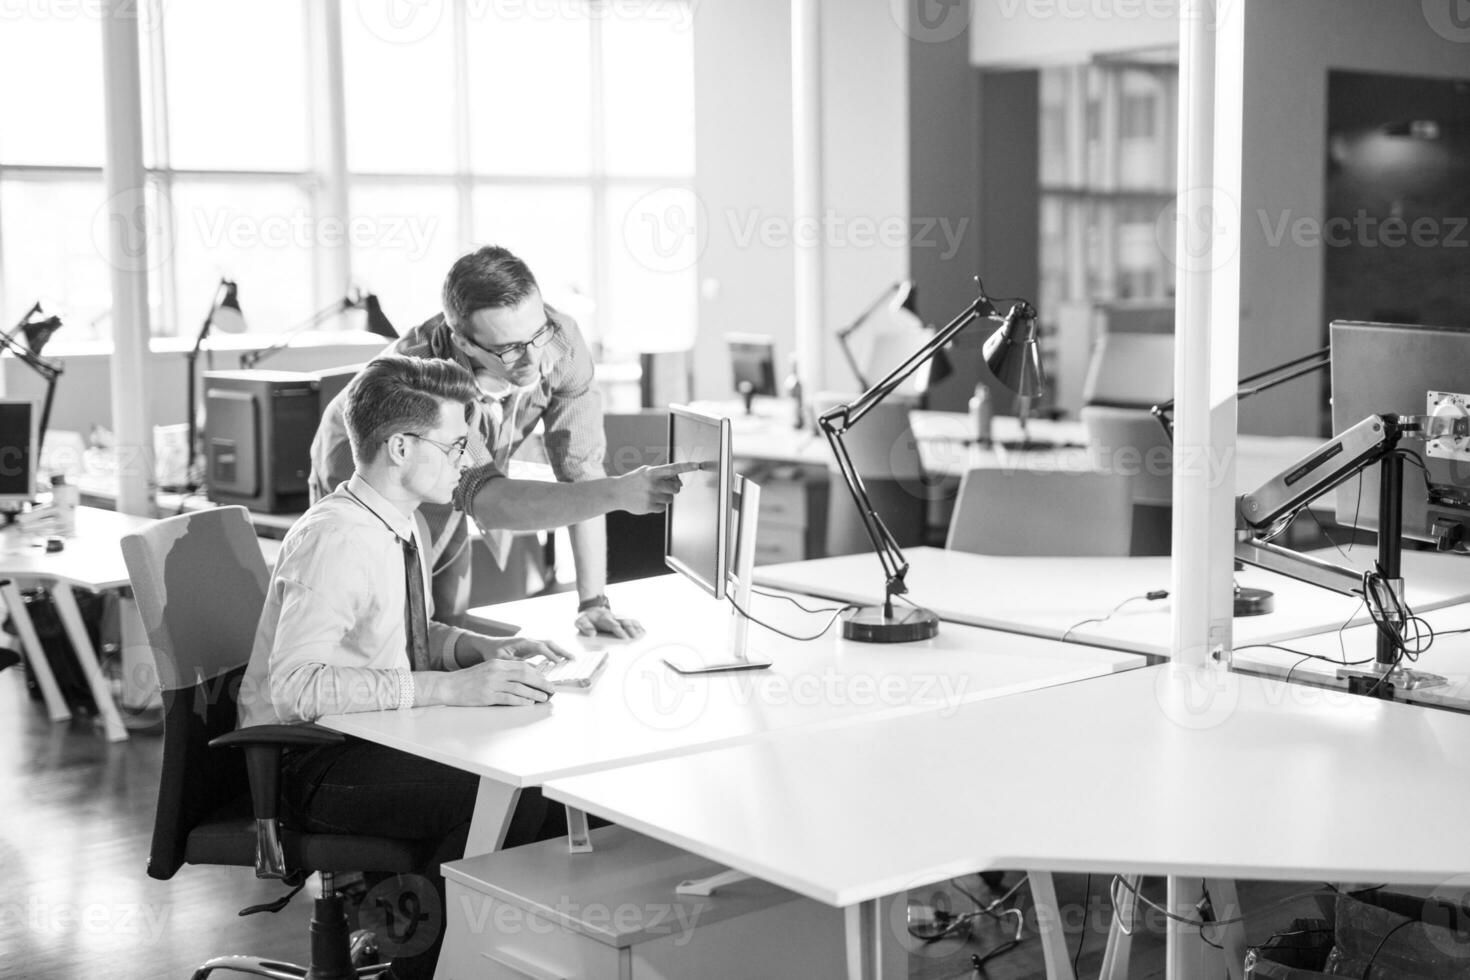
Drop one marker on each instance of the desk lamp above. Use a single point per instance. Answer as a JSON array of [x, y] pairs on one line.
[[377, 323], [224, 314], [1250, 601], [903, 295], [1010, 353], [36, 327]]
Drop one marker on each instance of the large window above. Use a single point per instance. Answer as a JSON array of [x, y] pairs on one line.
[[543, 126]]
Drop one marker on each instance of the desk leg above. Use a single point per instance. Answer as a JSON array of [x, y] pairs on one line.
[[873, 952], [76, 631], [35, 653], [495, 804], [1049, 925], [1120, 943], [1226, 905]]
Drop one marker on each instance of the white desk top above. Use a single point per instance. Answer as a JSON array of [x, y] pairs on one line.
[[1448, 656], [639, 709], [1243, 777], [1050, 596], [91, 558]]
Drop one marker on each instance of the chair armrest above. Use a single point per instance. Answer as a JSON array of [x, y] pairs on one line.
[[263, 745], [281, 735]]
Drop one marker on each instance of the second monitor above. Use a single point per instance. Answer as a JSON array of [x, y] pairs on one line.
[[752, 366]]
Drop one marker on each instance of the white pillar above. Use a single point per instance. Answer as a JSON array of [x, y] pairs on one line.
[[329, 123], [128, 224], [806, 117], [1207, 329]]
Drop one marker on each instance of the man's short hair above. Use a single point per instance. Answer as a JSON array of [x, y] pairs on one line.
[[394, 393], [487, 278]]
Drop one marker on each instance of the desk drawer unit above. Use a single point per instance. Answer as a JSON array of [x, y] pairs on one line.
[[793, 517], [538, 912]]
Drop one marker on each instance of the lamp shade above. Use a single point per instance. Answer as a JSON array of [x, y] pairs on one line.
[[377, 322], [1011, 353], [37, 332], [227, 317]]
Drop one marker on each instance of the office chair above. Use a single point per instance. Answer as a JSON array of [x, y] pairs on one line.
[[635, 542], [1127, 375], [1042, 512], [200, 584]]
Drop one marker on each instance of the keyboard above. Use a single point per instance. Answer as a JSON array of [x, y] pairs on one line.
[[580, 671]]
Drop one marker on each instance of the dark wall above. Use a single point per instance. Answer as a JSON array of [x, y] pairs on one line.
[[973, 146], [1400, 249]]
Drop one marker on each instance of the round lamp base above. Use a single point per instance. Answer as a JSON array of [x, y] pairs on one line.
[[1254, 602], [908, 623]]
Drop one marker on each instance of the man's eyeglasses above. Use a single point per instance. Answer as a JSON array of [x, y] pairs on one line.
[[510, 354], [453, 451]]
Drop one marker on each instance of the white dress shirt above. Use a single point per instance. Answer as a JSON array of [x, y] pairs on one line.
[[331, 637]]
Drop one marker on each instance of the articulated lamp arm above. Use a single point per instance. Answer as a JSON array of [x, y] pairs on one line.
[[835, 423]]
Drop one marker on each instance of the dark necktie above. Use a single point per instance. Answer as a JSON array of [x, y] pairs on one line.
[[415, 612]]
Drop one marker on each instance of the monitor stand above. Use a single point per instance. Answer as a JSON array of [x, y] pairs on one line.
[[736, 655]]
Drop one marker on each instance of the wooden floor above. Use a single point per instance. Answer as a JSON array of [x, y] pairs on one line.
[[74, 830]]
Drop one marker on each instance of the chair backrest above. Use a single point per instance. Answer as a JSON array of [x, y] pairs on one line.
[[635, 542], [1131, 441], [1130, 370], [200, 583], [1042, 512]]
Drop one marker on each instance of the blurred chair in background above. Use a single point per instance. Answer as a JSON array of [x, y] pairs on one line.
[[635, 542], [1128, 374], [1043, 513]]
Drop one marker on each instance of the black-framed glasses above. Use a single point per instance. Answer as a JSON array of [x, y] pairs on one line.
[[510, 354], [453, 451]]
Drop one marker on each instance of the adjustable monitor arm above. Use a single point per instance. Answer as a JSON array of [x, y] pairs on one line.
[[837, 421], [1265, 512]]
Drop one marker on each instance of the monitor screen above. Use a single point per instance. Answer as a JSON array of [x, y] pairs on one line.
[[1382, 368], [17, 451], [697, 525], [753, 363]]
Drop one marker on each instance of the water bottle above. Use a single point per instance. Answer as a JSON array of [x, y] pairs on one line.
[[793, 391], [981, 412], [65, 497]]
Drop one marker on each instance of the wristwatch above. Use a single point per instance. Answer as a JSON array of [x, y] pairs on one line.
[[596, 602]]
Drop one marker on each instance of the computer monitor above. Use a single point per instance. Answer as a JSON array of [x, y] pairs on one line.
[[697, 528], [1380, 368], [17, 453], [753, 366], [709, 535]]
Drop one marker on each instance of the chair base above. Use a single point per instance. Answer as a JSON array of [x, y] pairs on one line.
[[259, 966]]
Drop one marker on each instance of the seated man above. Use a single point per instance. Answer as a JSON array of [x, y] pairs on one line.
[[531, 366], [346, 627]]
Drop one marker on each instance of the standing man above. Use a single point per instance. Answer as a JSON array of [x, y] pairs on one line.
[[531, 366], [345, 627]]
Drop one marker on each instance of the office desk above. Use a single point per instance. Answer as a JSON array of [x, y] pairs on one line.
[[821, 813], [639, 709], [1448, 656], [92, 560], [1052, 597]]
